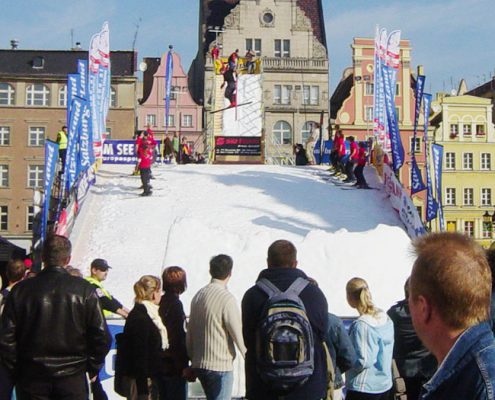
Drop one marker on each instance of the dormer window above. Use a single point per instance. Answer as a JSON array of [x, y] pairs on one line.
[[38, 62]]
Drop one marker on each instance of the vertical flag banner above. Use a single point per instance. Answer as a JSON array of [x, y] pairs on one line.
[[82, 70], [169, 71], [103, 76], [437, 154], [417, 184], [85, 141], [378, 92], [389, 72], [73, 85], [70, 174], [93, 68], [431, 204], [51, 158]]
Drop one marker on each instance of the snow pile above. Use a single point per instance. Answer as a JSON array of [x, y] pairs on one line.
[[198, 211]]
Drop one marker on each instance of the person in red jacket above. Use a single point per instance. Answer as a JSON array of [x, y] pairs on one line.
[[145, 154], [359, 170]]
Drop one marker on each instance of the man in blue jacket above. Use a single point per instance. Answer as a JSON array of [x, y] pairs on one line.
[[450, 290], [282, 272]]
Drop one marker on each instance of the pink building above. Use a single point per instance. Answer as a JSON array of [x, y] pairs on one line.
[[185, 116]]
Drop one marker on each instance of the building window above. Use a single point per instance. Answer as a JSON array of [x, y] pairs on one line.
[[468, 196], [171, 120], [37, 95], [487, 230], [187, 120], [469, 228], [113, 98], [449, 160], [282, 48], [282, 94], [368, 113], [306, 130], [36, 136], [35, 176], [282, 133], [450, 196], [486, 197], [4, 218], [415, 145], [486, 161], [29, 218], [62, 96], [397, 89], [466, 129], [369, 89], [311, 95], [454, 129], [151, 120], [397, 113], [6, 94], [480, 130], [4, 136], [4, 176], [468, 161], [254, 45]]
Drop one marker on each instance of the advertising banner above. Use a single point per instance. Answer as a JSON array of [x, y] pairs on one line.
[[169, 71], [431, 204], [76, 108], [82, 69], [437, 154], [327, 149], [401, 202], [316, 152], [417, 184], [122, 152], [237, 146], [51, 158], [378, 92]]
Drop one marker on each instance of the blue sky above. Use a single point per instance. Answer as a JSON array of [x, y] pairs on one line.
[[452, 39]]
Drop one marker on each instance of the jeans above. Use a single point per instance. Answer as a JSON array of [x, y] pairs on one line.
[[217, 385], [72, 387], [172, 388]]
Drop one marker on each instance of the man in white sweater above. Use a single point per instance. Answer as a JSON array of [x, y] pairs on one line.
[[214, 327]]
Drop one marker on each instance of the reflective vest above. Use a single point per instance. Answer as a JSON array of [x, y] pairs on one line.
[[62, 140], [97, 283]]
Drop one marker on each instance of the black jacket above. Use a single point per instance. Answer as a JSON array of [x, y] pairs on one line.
[[143, 348], [317, 311], [173, 317], [412, 358], [53, 326]]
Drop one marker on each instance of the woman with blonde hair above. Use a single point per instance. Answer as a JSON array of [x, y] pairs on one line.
[[146, 339], [372, 334]]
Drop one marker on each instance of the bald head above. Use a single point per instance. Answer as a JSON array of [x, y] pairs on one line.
[[282, 254]]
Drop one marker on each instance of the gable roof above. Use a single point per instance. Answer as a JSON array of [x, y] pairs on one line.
[[60, 62], [313, 9]]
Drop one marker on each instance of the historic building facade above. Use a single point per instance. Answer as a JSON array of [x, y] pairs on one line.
[[351, 106], [33, 97], [463, 126], [185, 116], [289, 38]]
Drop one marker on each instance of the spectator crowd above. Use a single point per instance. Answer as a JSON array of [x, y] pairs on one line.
[[436, 343]]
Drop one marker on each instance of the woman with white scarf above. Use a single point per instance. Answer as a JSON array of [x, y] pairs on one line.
[[146, 339]]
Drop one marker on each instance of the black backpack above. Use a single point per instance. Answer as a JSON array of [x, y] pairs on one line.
[[284, 338]]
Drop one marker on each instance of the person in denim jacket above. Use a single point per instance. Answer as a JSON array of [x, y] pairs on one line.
[[450, 290]]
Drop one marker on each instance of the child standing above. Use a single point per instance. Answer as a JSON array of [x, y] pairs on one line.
[[145, 154]]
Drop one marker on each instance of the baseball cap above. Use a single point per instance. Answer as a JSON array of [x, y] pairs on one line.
[[100, 263]]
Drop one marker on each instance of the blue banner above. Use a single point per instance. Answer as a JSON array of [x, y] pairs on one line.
[[437, 154], [431, 204], [327, 149], [168, 83], [76, 110], [316, 151], [73, 84], [417, 184], [85, 140], [395, 140], [82, 69], [51, 158]]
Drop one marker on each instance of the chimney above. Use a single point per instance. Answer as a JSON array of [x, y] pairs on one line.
[[14, 44], [78, 46]]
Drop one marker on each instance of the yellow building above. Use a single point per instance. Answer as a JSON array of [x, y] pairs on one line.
[[464, 127]]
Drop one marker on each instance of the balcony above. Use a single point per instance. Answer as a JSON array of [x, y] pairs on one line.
[[294, 64]]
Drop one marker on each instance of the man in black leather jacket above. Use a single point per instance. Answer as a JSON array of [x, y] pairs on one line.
[[52, 330]]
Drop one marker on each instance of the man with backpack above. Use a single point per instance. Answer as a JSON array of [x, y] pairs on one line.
[[285, 321]]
